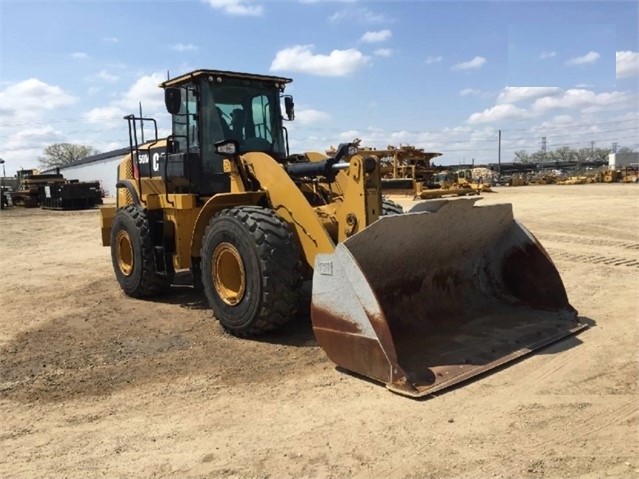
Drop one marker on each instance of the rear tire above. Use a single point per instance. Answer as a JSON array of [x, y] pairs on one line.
[[389, 207], [251, 270], [133, 255]]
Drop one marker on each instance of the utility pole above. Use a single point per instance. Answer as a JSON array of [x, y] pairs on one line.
[[543, 149], [592, 150], [614, 147]]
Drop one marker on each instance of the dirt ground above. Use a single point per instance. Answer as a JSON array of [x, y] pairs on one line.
[[96, 384]]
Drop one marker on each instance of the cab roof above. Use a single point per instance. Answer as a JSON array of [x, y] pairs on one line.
[[187, 77]]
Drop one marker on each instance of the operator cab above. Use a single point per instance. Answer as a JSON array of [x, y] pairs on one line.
[[210, 106]]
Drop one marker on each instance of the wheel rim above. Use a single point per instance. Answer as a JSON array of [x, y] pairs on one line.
[[124, 252], [229, 277]]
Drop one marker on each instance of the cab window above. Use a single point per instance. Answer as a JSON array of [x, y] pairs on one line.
[[185, 123]]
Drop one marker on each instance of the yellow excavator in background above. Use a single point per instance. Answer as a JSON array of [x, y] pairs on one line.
[[418, 301], [460, 182]]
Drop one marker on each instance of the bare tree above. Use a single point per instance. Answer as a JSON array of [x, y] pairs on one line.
[[582, 154], [64, 154], [600, 154], [564, 153], [540, 157], [522, 156]]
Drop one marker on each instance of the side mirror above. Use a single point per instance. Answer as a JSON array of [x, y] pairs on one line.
[[173, 100], [289, 106]]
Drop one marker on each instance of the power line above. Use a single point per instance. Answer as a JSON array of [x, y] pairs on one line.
[[507, 144]]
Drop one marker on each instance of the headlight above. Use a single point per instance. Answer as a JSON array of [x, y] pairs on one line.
[[227, 147]]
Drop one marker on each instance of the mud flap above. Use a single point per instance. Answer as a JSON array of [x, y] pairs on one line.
[[425, 300]]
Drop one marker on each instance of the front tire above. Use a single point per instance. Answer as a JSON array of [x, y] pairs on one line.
[[133, 255], [251, 270]]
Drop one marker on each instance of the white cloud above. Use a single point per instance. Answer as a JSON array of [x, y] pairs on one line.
[[28, 126], [309, 116], [362, 15], [557, 122], [110, 39], [562, 119], [24, 108], [326, 1], [476, 62], [108, 77], [301, 58], [547, 99], [374, 37], [383, 52], [79, 55], [109, 117], [497, 113], [433, 59], [517, 94], [182, 47], [469, 91], [31, 97], [22, 146], [349, 135], [543, 55], [589, 57], [627, 64], [104, 76], [239, 8], [586, 100], [144, 90], [35, 138], [476, 92]]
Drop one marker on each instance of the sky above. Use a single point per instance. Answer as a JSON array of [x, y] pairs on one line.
[[444, 76]]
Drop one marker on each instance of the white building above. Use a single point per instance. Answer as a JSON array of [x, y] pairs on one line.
[[102, 168], [621, 160]]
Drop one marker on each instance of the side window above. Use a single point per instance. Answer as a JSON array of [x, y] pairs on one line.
[[262, 117], [185, 122]]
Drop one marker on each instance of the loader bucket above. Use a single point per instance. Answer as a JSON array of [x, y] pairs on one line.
[[427, 299]]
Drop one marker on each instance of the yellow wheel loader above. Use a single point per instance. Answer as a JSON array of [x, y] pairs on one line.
[[418, 301]]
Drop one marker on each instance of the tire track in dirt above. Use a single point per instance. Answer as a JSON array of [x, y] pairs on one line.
[[594, 259], [592, 241], [604, 251], [544, 365], [622, 414]]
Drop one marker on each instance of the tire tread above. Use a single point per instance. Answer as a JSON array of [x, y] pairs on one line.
[[281, 275], [150, 283]]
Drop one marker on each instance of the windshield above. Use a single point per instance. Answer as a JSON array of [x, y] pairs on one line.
[[244, 110]]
